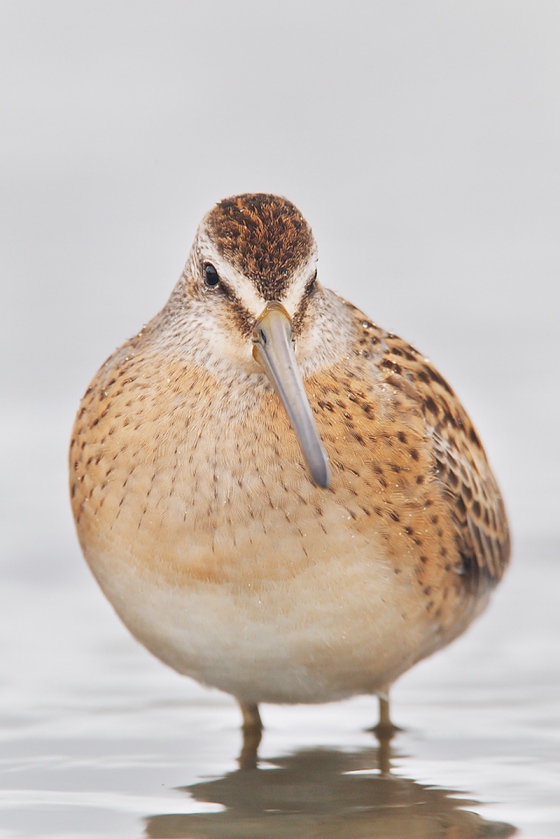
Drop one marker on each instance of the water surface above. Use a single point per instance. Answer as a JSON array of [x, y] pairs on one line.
[[101, 740]]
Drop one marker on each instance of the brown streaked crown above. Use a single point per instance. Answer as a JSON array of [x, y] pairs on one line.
[[265, 237]]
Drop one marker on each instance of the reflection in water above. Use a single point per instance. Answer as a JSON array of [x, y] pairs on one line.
[[328, 794]]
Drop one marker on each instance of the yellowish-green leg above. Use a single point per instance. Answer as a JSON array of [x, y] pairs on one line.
[[384, 731], [384, 723], [385, 727], [252, 734], [251, 717]]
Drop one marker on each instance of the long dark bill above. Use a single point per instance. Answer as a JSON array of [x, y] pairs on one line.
[[273, 350]]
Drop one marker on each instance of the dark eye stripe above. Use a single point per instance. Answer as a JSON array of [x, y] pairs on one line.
[[213, 280], [308, 292], [311, 283]]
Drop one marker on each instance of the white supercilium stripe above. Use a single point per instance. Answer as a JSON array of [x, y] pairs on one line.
[[244, 289]]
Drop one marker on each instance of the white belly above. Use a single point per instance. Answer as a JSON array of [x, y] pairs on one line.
[[336, 628]]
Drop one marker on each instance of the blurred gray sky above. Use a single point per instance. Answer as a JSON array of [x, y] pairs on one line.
[[421, 140]]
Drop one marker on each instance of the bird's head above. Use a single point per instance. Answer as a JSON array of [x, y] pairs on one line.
[[251, 279]]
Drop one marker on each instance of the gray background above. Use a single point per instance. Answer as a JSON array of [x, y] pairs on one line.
[[420, 140]]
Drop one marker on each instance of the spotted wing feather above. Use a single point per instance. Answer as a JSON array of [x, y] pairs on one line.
[[460, 468]]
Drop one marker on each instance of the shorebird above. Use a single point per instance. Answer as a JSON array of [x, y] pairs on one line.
[[279, 498]]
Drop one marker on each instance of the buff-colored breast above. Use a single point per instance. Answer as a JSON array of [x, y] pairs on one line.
[[197, 515]]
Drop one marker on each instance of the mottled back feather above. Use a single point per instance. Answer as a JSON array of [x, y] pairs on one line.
[[460, 465]]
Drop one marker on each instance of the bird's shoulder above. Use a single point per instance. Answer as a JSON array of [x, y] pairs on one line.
[[384, 366]]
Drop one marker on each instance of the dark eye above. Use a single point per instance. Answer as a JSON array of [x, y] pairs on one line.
[[211, 277], [311, 284]]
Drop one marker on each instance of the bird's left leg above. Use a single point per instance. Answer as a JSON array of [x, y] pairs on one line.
[[252, 733]]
